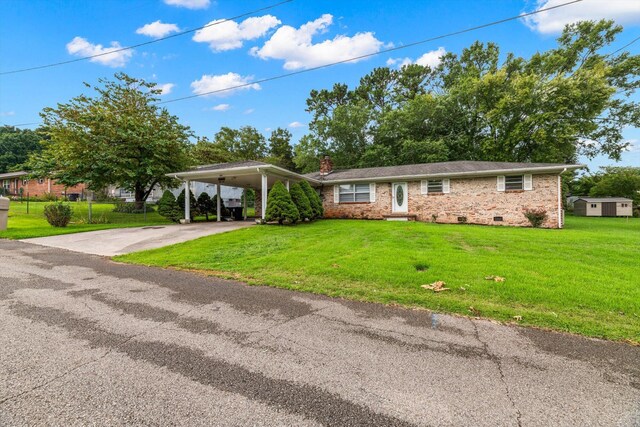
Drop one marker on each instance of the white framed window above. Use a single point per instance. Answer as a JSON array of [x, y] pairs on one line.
[[351, 193], [593, 205], [435, 186], [515, 182], [41, 181], [25, 181], [6, 184]]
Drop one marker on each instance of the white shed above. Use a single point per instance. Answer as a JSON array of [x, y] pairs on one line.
[[603, 206]]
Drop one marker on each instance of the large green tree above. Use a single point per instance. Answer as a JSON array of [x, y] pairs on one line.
[[118, 137], [554, 106], [280, 150], [618, 181], [16, 145]]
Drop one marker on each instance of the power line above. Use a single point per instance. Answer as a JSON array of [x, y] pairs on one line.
[[416, 43], [181, 33], [624, 47], [356, 58]]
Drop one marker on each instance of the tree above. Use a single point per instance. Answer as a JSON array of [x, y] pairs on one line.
[[168, 207], [119, 137], [554, 106], [16, 145], [618, 182], [280, 207], [300, 199], [246, 143], [193, 205], [205, 152], [314, 199], [307, 154], [205, 205], [280, 150]]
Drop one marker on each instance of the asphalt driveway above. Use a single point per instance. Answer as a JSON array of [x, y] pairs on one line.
[[87, 341], [120, 241]]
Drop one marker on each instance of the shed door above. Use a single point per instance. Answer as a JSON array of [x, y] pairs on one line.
[[609, 209]]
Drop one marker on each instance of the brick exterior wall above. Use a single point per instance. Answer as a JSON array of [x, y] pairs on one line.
[[35, 188], [477, 199]]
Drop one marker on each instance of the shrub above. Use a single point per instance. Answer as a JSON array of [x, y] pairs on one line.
[[205, 205], [314, 199], [536, 216], [58, 214], [168, 207], [300, 199], [130, 208], [280, 207], [48, 197]]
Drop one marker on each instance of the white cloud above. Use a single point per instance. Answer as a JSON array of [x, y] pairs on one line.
[[296, 47], [7, 113], [634, 145], [431, 59], [296, 125], [210, 83], [166, 88], [189, 4], [82, 47], [221, 107], [248, 111], [230, 35], [157, 29], [553, 21]]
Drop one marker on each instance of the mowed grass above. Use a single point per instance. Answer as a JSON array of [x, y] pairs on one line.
[[583, 279], [23, 225]]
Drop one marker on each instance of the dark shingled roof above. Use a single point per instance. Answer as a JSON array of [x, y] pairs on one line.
[[424, 169], [230, 165], [604, 199]]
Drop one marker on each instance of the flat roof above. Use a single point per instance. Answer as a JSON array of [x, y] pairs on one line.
[[13, 174]]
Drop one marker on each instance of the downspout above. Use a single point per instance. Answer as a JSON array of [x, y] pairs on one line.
[[560, 198]]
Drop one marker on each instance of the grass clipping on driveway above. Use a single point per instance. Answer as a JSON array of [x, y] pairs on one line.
[[583, 279]]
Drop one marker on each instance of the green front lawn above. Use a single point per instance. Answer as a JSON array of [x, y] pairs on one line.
[[23, 225], [583, 279]]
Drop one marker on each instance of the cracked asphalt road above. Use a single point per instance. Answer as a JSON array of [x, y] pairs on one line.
[[84, 340]]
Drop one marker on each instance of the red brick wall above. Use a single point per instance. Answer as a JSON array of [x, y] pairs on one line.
[[36, 188], [474, 198]]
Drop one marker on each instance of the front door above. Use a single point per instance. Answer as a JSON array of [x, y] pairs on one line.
[[399, 197]]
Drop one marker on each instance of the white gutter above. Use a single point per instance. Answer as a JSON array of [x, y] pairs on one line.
[[543, 169], [560, 197]]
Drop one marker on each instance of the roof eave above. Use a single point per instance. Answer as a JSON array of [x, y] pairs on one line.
[[244, 170], [470, 174]]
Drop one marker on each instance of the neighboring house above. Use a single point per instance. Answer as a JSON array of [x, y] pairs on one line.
[[230, 195], [496, 193], [603, 206], [14, 182]]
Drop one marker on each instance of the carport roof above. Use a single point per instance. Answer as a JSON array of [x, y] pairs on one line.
[[240, 174]]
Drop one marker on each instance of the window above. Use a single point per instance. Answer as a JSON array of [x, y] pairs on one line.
[[25, 181], [593, 205], [436, 186], [625, 205], [514, 182], [40, 181], [6, 184], [354, 193]]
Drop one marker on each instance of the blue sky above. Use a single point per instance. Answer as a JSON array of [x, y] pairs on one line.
[[289, 37]]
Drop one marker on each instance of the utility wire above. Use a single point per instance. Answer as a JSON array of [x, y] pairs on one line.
[[181, 33], [356, 58], [624, 47], [416, 43]]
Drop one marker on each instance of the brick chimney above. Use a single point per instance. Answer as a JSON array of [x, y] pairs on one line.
[[326, 165]]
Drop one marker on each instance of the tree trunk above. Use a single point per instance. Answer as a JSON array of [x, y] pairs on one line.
[[140, 196]]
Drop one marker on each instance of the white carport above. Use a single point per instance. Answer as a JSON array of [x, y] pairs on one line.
[[258, 176]]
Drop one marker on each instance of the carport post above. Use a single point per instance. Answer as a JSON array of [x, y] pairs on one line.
[[218, 201], [244, 194], [264, 195], [187, 202], [287, 184]]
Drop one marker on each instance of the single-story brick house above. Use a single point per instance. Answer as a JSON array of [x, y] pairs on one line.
[[475, 192], [13, 182], [603, 206]]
